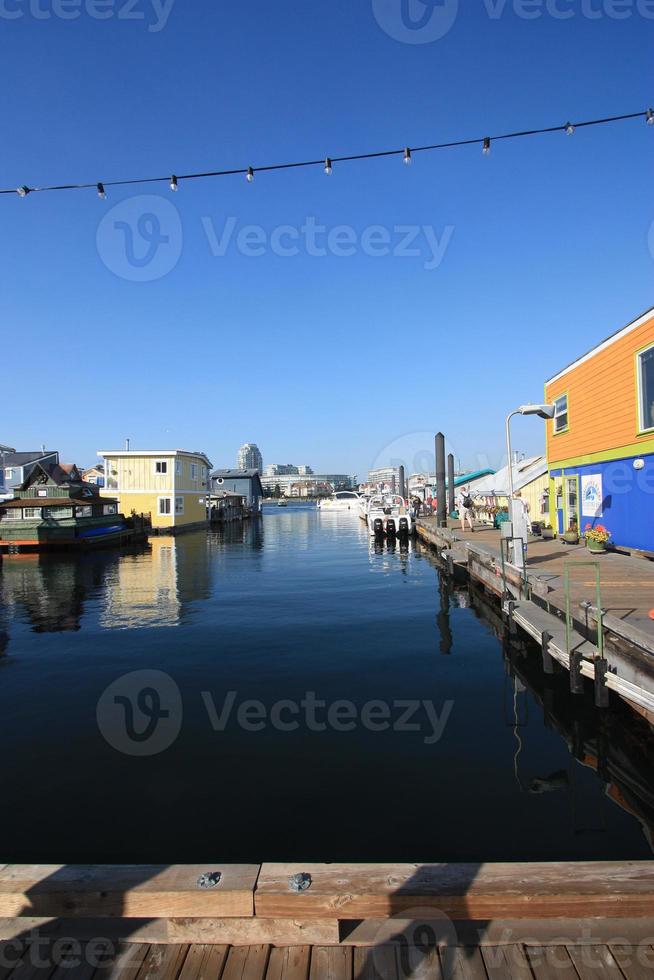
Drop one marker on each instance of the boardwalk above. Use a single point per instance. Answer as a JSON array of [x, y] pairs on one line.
[[141, 961], [627, 583]]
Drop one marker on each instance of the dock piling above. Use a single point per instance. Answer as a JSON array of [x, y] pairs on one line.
[[450, 483], [440, 481]]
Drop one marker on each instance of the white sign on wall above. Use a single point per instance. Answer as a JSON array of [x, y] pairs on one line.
[[591, 495]]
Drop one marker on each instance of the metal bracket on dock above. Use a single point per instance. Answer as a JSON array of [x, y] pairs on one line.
[[601, 690], [524, 591], [576, 678], [209, 879]]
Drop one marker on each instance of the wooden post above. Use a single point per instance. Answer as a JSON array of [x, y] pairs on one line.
[[450, 484], [441, 513], [402, 483]]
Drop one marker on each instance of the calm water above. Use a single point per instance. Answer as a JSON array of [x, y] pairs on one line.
[[499, 764]]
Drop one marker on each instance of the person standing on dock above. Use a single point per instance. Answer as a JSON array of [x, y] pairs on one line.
[[464, 506]]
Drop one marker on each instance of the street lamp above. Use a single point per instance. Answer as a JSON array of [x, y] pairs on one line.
[[542, 411]]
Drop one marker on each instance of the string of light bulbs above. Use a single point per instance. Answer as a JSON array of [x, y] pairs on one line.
[[327, 163]]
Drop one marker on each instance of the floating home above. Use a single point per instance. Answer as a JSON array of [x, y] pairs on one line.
[[168, 487], [600, 443], [245, 483], [55, 508]]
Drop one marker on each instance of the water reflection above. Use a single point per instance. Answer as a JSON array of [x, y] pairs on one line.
[[615, 744]]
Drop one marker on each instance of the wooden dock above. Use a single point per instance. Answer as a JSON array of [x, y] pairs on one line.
[[571, 920], [536, 604]]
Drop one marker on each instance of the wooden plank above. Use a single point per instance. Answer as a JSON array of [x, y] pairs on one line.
[[548, 962], [10, 955], [246, 963], [463, 963], [149, 891], [376, 963], [635, 960], [249, 931], [204, 962], [289, 963], [594, 963], [331, 963], [162, 963], [126, 962], [81, 962], [503, 962], [461, 891]]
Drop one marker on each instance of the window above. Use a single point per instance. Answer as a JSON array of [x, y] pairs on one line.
[[84, 512], [12, 514], [646, 389], [110, 509], [57, 513], [32, 513], [561, 414], [9, 473], [161, 466], [164, 505], [179, 505], [178, 467], [194, 471]]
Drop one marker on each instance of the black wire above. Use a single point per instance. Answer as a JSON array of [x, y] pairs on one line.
[[340, 159]]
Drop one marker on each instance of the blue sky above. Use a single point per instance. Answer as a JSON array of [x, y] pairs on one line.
[[341, 361]]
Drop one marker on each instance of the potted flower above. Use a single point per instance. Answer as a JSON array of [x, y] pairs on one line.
[[547, 532], [571, 536], [596, 538]]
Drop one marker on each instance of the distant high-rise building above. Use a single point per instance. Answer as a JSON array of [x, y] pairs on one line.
[[250, 458]]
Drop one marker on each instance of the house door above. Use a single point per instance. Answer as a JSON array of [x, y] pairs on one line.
[[572, 501], [558, 504]]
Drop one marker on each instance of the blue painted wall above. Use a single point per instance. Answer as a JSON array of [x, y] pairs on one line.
[[628, 500]]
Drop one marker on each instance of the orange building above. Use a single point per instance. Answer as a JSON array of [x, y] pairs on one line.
[[600, 443]]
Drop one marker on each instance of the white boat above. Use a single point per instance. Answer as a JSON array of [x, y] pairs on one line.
[[341, 500], [390, 515]]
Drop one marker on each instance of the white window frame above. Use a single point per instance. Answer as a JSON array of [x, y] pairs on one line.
[[32, 517], [169, 511], [194, 471], [9, 473], [558, 414], [110, 509], [160, 463], [179, 510], [13, 514], [642, 427], [85, 507], [178, 467]]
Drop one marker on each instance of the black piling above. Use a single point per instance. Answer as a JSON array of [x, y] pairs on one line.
[[402, 483], [441, 514]]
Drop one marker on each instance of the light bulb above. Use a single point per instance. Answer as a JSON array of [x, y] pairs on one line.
[[250, 175], [173, 183], [407, 156], [569, 128], [101, 192], [650, 117], [487, 146], [328, 166]]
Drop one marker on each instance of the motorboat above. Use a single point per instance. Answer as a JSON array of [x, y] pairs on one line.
[[282, 503], [389, 515], [341, 500]]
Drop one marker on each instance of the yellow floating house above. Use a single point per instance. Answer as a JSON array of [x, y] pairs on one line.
[[170, 486]]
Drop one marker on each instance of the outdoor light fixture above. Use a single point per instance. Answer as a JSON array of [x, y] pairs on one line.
[[650, 117], [407, 156], [328, 166], [486, 149], [569, 128], [173, 183], [543, 411], [22, 191], [101, 191], [250, 175], [639, 464]]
